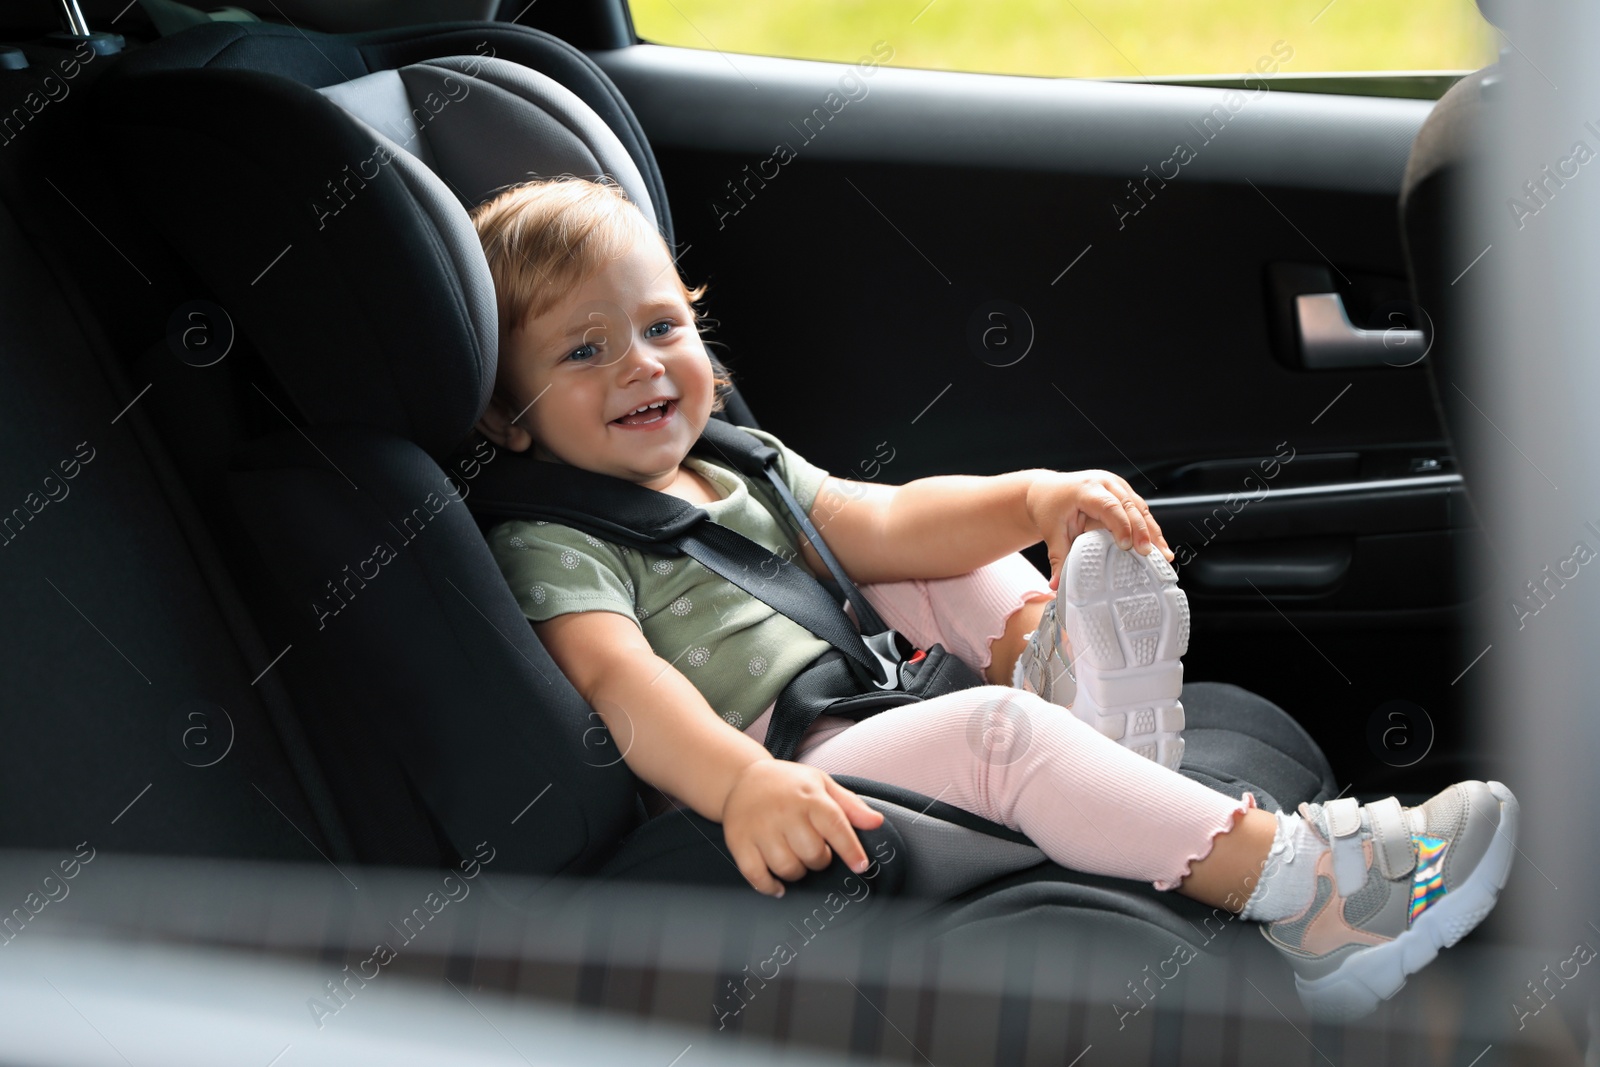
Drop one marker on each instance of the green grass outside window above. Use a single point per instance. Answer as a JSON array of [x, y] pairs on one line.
[[1161, 39]]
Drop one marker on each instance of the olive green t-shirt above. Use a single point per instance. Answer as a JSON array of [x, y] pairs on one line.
[[736, 650]]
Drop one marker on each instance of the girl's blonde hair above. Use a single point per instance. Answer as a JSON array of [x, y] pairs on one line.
[[544, 238]]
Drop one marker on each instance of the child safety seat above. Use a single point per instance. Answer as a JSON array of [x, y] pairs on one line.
[[317, 187]]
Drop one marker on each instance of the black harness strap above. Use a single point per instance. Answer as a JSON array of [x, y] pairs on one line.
[[756, 459], [520, 486]]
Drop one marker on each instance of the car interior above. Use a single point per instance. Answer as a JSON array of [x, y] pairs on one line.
[[247, 309]]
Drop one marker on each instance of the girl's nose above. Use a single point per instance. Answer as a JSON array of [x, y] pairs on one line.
[[640, 358]]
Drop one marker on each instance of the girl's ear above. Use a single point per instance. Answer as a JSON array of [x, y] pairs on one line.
[[496, 425]]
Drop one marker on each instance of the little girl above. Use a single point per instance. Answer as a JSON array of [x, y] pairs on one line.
[[602, 366]]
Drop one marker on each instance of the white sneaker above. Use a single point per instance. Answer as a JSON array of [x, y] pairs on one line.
[[1041, 669], [1127, 623], [1393, 886]]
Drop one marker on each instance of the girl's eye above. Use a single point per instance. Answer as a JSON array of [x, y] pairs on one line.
[[659, 329], [582, 352]]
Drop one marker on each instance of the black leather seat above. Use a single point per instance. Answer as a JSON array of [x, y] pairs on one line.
[[269, 160]]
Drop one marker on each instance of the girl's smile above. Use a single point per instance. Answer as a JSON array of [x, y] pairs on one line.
[[655, 417]]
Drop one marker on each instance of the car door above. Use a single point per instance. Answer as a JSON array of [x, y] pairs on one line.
[[918, 272]]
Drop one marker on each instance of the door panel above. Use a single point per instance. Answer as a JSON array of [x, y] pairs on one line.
[[975, 274], [1146, 336]]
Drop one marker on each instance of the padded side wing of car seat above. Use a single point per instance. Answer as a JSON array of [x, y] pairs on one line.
[[236, 170], [413, 658]]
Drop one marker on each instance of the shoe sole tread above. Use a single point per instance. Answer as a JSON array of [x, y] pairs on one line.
[[1132, 621]]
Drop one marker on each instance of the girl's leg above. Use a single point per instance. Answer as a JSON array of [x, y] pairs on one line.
[[979, 617], [1095, 806], [1086, 801], [1355, 896]]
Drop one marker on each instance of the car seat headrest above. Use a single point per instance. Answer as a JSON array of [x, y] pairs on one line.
[[1493, 11], [482, 123], [332, 224]]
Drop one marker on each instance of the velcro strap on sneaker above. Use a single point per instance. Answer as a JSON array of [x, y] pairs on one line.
[[1392, 849], [1344, 816]]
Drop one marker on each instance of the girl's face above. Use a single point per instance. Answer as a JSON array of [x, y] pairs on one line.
[[622, 339]]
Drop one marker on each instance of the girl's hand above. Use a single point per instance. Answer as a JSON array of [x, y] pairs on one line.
[[1064, 505], [782, 816]]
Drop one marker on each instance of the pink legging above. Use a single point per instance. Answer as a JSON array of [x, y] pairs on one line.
[[1012, 757]]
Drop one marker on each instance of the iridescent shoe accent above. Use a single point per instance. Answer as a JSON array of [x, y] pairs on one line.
[[1394, 886], [1427, 886]]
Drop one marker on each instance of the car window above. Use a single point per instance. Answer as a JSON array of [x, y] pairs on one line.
[[1157, 39]]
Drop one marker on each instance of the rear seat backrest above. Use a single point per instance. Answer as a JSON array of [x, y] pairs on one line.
[[132, 702]]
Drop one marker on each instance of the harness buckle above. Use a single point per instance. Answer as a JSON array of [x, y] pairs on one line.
[[886, 648]]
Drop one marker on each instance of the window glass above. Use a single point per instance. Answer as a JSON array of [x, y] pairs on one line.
[[1089, 38]]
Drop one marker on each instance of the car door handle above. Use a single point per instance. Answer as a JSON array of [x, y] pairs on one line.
[[1329, 340]]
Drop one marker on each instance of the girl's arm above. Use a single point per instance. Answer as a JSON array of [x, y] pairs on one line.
[[666, 731], [778, 817], [946, 525]]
